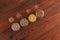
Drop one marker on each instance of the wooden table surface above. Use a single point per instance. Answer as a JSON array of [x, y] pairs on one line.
[[46, 28]]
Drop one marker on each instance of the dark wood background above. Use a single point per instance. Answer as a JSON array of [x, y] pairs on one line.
[[47, 29]]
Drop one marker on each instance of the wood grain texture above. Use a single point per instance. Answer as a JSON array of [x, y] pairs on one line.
[[46, 28]]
